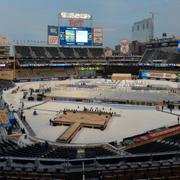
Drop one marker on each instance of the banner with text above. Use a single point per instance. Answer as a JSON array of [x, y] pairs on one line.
[[53, 35], [97, 36]]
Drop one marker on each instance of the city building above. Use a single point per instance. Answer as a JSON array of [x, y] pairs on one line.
[[143, 31]]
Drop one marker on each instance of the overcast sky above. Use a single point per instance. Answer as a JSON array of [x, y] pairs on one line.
[[28, 19]]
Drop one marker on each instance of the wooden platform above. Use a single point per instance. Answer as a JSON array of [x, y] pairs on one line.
[[68, 135], [78, 120]]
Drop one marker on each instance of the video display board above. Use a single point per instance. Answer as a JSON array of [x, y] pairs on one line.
[[159, 75], [97, 36], [75, 36], [179, 46], [53, 35]]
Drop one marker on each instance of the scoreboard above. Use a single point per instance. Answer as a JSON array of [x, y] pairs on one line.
[[179, 46], [75, 36]]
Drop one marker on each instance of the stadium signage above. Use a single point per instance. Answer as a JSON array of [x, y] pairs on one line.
[[75, 36], [52, 35], [124, 44], [152, 135], [53, 40], [52, 30], [8, 75], [157, 134], [159, 75], [76, 22], [73, 15], [179, 46], [97, 36], [2, 65], [3, 41], [89, 68], [162, 44]]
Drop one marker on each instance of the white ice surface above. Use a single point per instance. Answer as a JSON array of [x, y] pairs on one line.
[[133, 120]]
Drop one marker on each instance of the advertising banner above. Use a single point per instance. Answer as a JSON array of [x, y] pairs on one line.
[[3, 41], [159, 75], [8, 75], [53, 40], [76, 22], [52, 30], [53, 35], [97, 36], [124, 46]]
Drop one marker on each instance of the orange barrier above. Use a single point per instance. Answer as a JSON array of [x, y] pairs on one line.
[[7, 75], [3, 117], [154, 135]]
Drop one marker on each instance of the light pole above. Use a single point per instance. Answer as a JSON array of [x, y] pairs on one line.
[[59, 17], [152, 23]]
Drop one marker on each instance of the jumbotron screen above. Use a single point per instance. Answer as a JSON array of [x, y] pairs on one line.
[[179, 46], [75, 36]]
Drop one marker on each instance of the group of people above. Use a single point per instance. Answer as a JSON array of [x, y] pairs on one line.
[[170, 107], [85, 109], [96, 110], [22, 116]]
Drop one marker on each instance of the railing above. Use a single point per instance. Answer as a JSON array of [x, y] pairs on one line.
[[113, 160]]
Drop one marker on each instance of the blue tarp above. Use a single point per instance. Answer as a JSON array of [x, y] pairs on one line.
[[12, 119], [7, 126]]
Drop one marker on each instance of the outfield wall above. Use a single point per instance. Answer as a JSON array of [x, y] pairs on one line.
[[7, 74]]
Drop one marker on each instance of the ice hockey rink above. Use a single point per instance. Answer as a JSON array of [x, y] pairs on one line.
[[131, 119]]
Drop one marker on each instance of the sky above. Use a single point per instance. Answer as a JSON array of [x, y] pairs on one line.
[[28, 19]]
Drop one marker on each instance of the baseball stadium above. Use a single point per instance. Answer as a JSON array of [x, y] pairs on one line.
[[73, 109]]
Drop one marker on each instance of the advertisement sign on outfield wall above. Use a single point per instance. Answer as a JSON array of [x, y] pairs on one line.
[[8, 75], [159, 75]]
